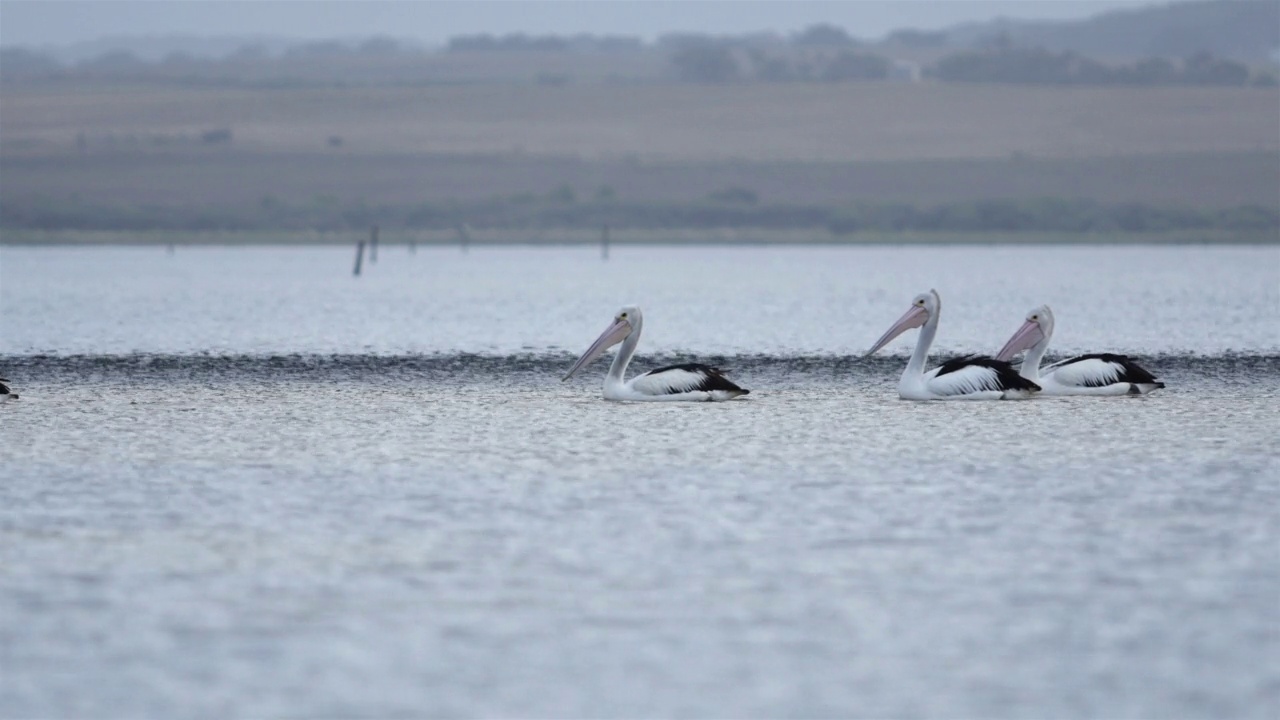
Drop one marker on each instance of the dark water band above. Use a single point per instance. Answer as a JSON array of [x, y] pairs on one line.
[[540, 363]]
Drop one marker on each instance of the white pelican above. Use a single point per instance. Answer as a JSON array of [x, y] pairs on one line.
[[678, 382], [5, 393], [1093, 374], [964, 378]]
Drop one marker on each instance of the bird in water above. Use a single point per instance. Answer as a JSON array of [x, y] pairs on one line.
[[687, 382], [965, 378], [5, 393], [1091, 374]]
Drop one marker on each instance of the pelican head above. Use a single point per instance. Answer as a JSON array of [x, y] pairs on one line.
[[625, 322], [923, 307], [1038, 327]]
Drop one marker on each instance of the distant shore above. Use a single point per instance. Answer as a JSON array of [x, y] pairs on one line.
[[624, 236]]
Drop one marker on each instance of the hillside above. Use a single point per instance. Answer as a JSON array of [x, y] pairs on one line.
[[1245, 30]]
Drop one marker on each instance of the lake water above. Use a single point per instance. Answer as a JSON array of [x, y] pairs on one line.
[[241, 482]]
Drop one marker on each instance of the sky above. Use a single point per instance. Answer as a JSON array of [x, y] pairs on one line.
[[65, 22]]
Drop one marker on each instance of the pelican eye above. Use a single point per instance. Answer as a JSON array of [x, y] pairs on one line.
[[623, 315]]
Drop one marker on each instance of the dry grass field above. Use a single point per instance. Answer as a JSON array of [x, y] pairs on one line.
[[664, 122], [829, 144], [223, 177]]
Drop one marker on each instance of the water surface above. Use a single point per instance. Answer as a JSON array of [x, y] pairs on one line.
[[236, 486], [1200, 300]]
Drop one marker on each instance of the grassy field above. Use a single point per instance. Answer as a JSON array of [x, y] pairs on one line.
[[847, 122], [140, 146], [228, 176]]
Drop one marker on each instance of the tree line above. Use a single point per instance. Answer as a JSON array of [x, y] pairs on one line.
[[562, 209], [817, 53], [705, 60], [1004, 62]]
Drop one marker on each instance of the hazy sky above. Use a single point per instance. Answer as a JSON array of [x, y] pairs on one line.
[[45, 22]]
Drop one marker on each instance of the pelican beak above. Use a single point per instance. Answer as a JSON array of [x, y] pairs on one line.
[[914, 318], [614, 334], [1027, 336]]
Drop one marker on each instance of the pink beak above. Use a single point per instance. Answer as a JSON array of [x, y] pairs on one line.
[[1027, 336], [914, 318], [614, 334]]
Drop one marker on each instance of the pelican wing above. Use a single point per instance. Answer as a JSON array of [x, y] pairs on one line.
[[970, 374], [678, 379], [1098, 370]]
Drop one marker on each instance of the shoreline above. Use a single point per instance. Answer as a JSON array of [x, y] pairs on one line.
[[619, 237]]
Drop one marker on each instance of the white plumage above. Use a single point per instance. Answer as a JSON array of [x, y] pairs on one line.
[[680, 383], [1089, 372], [679, 379], [965, 378], [1093, 374], [968, 380]]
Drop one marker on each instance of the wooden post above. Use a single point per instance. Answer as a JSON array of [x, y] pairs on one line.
[[373, 244], [359, 257], [464, 237], [604, 243]]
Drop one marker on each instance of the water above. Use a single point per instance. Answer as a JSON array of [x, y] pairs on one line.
[[775, 301], [243, 483]]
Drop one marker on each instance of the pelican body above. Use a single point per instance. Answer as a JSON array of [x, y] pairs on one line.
[[1092, 374], [965, 378], [677, 383]]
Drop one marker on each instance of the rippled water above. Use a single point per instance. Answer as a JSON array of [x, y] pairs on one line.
[[237, 487]]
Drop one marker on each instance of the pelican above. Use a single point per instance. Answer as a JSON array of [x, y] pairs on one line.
[[687, 382], [964, 378], [1093, 374], [5, 393]]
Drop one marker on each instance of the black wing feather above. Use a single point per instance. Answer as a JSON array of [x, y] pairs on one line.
[[1130, 371], [712, 378], [1006, 376]]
